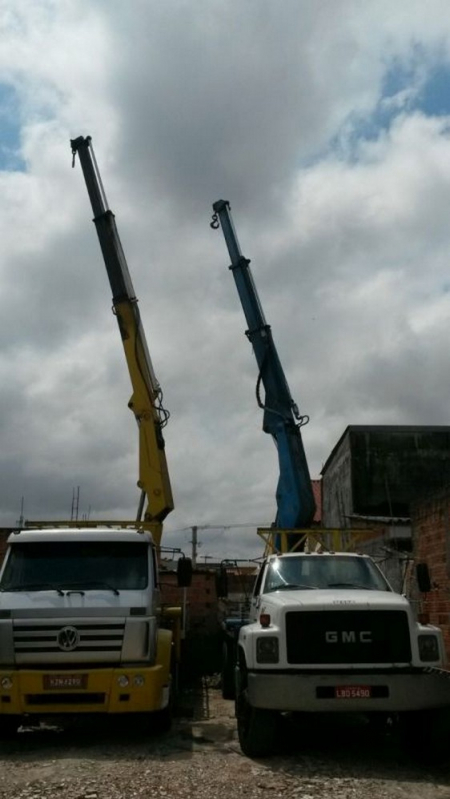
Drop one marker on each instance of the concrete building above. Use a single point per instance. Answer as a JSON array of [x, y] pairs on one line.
[[378, 470], [371, 479]]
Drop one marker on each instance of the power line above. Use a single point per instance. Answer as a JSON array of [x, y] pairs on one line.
[[196, 544], [220, 526]]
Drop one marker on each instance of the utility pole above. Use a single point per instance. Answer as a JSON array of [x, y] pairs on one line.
[[194, 543], [75, 504]]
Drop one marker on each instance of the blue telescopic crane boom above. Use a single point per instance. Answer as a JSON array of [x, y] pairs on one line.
[[294, 494]]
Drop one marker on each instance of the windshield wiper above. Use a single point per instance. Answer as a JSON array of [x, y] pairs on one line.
[[92, 584], [33, 587], [351, 585], [292, 587]]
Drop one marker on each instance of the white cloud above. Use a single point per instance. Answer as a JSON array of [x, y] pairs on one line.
[[187, 103]]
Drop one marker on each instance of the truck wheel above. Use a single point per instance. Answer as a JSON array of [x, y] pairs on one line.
[[163, 720], [424, 734], [228, 689], [257, 728], [378, 724], [9, 726]]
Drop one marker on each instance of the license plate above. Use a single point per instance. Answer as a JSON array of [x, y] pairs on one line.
[[54, 682], [353, 692]]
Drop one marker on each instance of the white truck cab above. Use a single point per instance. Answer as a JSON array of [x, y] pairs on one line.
[[327, 633]]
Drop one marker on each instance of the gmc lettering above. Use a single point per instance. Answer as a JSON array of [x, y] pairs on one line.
[[348, 637]]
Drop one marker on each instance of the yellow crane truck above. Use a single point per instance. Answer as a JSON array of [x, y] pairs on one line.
[[81, 625]]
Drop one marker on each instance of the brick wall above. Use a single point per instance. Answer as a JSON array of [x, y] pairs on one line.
[[431, 545], [201, 599], [204, 609], [202, 648], [4, 533]]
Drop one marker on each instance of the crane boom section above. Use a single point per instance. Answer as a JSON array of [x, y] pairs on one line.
[[146, 400], [294, 494]]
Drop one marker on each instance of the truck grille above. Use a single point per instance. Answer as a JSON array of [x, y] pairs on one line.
[[86, 641], [348, 636]]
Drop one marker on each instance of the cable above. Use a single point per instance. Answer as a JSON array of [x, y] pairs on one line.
[[302, 420]]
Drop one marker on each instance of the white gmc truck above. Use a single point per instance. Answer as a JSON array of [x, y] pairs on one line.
[[327, 633]]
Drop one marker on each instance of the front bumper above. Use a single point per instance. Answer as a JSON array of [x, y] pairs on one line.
[[100, 692], [392, 691]]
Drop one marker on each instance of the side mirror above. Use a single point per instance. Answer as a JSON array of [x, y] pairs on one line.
[[423, 578], [222, 583], [184, 572]]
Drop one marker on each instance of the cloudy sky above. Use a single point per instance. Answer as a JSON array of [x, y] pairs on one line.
[[326, 124]]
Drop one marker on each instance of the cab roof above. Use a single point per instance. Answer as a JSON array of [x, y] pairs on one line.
[[99, 534], [318, 555]]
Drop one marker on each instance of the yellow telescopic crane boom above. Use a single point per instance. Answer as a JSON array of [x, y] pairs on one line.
[[146, 400]]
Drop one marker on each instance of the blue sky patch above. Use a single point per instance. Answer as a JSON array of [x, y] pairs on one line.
[[434, 98], [10, 124], [420, 85], [398, 78]]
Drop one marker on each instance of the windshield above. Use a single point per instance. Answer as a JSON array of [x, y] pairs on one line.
[[76, 565], [324, 571]]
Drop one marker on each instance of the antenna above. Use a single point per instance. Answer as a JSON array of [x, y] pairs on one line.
[[21, 521]]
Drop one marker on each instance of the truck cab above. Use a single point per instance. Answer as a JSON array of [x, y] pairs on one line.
[[79, 625], [327, 633]]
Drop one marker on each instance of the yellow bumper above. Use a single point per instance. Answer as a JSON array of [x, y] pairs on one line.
[[106, 690]]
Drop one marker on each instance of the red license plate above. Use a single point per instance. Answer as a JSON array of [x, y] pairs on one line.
[[55, 682], [353, 692]]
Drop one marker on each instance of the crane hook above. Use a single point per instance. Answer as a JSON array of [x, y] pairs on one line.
[[214, 224]]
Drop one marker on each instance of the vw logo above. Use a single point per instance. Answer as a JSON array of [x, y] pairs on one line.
[[68, 639]]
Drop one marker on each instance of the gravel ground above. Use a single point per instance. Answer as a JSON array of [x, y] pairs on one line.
[[201, 758]]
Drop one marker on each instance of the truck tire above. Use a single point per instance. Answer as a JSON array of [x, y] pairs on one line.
[[424, 734], [162, 720], [228, 665], [378, 724], [9, 726], [257, 728]]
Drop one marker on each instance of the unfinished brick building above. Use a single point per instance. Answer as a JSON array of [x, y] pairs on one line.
[[431, 545], [373, 476]]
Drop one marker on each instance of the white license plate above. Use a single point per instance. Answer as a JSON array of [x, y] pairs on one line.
[[55, 682]]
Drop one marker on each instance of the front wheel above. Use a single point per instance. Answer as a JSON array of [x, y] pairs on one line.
[[227, 676], [163, 720], [424, 733], [9, 726], [257, 728], [379, 724]]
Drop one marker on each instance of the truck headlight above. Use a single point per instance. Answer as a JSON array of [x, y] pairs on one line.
[[6, 683], [267, 649], [428, 648]]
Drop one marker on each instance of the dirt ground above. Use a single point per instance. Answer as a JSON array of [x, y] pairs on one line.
[[201, 757]]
